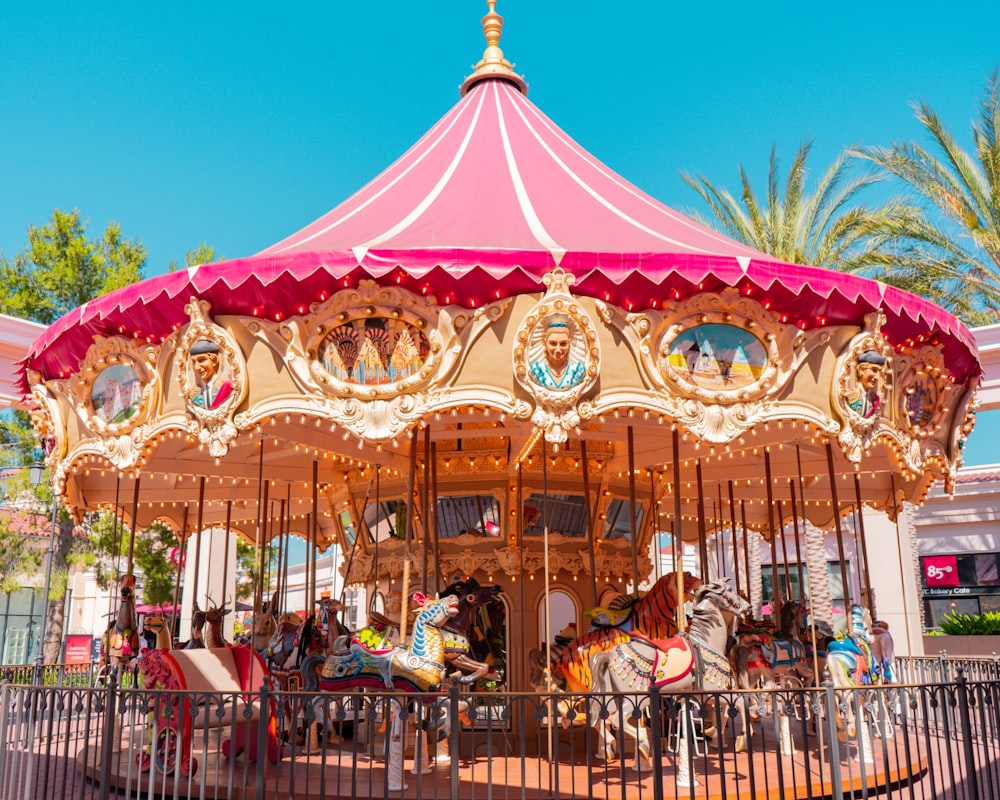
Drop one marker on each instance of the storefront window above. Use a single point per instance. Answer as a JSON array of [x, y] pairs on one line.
[[964, 584]]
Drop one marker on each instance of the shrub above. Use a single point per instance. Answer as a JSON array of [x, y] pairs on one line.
[[985, 624]]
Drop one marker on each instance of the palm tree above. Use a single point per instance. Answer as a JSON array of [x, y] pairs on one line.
[[961, 187], [829, 228]]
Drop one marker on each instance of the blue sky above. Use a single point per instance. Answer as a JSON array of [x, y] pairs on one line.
[[238, 123]]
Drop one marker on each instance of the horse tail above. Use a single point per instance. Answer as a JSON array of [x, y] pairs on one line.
[[310, 667]]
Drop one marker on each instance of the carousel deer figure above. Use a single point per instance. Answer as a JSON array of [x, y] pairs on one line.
[[197, 640], [213, 617]]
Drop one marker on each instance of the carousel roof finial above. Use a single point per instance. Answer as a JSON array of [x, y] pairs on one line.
[[493, 64]]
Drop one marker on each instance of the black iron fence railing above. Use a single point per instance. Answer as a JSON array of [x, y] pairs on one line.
[[65, 734]]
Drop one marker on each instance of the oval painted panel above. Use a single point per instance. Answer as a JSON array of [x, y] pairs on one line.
[[717, 357], [116, 394], [374, 351], [921, 400]]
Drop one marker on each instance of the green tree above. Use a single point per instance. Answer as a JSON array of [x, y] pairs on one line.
[[59, 270], [828, 227], [107, 549], [962, 188], [196, 256]]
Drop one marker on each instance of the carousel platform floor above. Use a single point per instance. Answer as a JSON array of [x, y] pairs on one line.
[[346, 773]]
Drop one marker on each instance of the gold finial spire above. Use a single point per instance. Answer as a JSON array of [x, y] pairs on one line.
[[493, 64]]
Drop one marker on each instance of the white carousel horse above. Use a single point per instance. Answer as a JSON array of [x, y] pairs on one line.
[[679, 664]]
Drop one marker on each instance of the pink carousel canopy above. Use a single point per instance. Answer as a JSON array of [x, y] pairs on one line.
[[490, 199]]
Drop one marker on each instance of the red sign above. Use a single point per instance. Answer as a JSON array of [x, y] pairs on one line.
[[941, 571], [78, 647]]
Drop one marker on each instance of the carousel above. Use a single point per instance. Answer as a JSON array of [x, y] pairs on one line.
[[500, 362]]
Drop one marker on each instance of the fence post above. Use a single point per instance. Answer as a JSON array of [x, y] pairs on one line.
[[832, 713], [262, 741], [656, 731], [966, 723], [454, 736]]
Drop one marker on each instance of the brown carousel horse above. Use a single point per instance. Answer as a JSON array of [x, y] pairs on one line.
[[123, 635], [693, 662], [457, 647], [764, 658], [654, 615]]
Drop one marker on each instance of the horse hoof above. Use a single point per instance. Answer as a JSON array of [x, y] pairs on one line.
[[741, 744]]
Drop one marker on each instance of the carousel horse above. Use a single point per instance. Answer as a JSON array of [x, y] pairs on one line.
[[678, 664], [764, 659], [884, 651], [281, 651], [654, 615], [213, 619], [157, 625], [123, 636], [457, 648], [419, 667], [850, 659]]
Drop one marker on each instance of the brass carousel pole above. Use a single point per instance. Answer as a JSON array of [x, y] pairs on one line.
[[425, 505], [678, 540], [720, 550], [116, 535], [898, 509], [135, 517], [736, 547], [408, 537], [631, 513], [798, 546], [864, 545], [225, 559], [306, 571], [180, 568], [520, 551], [311, 608], [702, 544], [654, 517], [258, 592], [282, 542], [746, 545], [840, 532], [775, 594], [433, 518], [784, 552], [591, 517], [548, 603], [197, 537], [259, 533]]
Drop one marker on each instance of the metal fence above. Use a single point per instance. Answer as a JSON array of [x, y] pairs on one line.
[[66, 734]]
